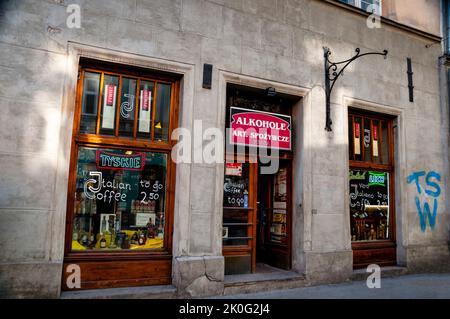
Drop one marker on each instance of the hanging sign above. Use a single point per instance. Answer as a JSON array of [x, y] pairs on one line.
[[260, 129], [233, 169], [111, 161], [144, 111]]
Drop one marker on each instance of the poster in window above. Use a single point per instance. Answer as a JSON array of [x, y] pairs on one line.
[[225, 232], [233, 169], [375, 141], [109, 106], [144, 111], [142, 219], [280, 191], [357, 137]]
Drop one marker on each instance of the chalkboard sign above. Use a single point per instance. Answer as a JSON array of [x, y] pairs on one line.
[[235, 189], [368, 189]]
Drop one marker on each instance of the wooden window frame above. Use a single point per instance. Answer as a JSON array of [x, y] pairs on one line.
[[134, 143], [389, 243]]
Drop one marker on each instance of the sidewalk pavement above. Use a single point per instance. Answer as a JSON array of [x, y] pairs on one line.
[[423, 286]]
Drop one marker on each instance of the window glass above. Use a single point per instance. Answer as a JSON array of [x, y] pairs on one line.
[[109, 104], [89, 108], [372, 142], [367, 140], [278, 222], [127, 107], [369, 205], [358, 138], [235, 202], [162, 112], [120, 200], [146, 93], [385, 142], [351, 139]]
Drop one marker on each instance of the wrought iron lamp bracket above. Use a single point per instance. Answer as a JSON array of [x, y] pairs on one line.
[[333, 70]]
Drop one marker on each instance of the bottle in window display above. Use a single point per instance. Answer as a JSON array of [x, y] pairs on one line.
[[103, 242], [85, 240], [118, 219], [150, 229], [142, 239], [126, 242], [103, 225], [134, 239], [372, 234], [245, 198], [94, 207]]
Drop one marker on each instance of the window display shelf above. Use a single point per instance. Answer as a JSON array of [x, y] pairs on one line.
[[237, 238]]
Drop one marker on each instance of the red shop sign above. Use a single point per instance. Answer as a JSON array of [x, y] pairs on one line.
[[260, 129]]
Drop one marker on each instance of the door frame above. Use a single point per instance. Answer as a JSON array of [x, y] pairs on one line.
[[386, 250]]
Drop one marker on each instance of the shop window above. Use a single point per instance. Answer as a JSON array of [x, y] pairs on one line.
[[236, 213], [121, 189], [370, 177], [446, 25], [119, 199], [123, 106]]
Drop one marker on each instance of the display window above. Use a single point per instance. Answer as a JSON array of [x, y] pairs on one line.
[[122, 180], [371, 188], [119, 200]]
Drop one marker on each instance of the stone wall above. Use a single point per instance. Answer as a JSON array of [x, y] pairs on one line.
[[277, 41]]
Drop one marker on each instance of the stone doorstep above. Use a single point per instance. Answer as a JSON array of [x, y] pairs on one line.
[[233, 284], [241, 284], [386, 272], [145, 292]]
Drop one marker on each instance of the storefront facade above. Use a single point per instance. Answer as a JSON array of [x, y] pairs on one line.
[[94, 176]]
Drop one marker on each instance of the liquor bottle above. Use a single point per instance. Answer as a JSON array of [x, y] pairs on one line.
[[142, 239], [134, 239], [103, 242], [133, 207], [126, 242], [75, 235], [94, 207], [103, 225], [92, 240], [84, 240], [245, 199], [118, 217]]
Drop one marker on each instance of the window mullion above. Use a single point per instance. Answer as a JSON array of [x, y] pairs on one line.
[[119, 101], [99, 108]]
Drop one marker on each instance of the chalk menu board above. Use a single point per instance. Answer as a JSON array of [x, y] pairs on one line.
[[368, 189], [235, 189]]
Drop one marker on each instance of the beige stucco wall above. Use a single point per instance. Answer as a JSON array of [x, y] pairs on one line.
[[419, 14]]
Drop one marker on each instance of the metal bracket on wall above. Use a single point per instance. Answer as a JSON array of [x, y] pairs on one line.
[[332, 74]]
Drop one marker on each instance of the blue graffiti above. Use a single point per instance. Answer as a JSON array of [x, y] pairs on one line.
[[432, 189]]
